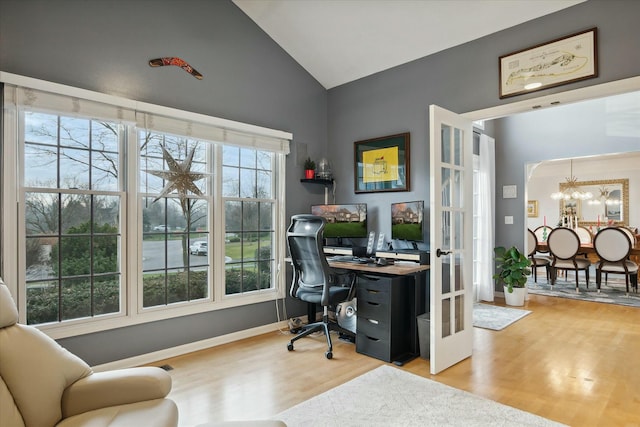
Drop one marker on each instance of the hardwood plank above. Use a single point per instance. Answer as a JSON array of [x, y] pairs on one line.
[[571, 361]]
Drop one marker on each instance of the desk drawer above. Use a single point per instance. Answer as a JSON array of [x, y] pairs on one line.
[[374, 347], [375, 284], [379, 310], [373, 327]]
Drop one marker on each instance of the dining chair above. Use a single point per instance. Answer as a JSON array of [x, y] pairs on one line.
[[612, 245], [536, 261], [564, 246], [630, 235], [542, 233], [584, 234]]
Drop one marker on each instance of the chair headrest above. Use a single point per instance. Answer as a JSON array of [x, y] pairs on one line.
[[8, 310]]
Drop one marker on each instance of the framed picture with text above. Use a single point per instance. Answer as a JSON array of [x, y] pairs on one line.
[[557, 62]]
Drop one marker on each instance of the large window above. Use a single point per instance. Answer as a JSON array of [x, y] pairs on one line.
[[175, 213], [128, 216], [249, 207], [72, 211]]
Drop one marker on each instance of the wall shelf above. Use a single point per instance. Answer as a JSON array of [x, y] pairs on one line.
[[326, 182]]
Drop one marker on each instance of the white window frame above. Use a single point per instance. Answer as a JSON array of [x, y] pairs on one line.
[[237, 133]]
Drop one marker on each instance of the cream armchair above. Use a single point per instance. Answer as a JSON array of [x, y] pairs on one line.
[[42, 384]]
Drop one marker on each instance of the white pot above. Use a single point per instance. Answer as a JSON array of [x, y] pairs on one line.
[[515, 298]]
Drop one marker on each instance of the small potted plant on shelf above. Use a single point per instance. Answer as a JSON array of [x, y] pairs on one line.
[[309, 168], [512, 268]]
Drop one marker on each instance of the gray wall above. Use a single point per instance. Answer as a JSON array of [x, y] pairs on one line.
[[105, 45], [462, 79]]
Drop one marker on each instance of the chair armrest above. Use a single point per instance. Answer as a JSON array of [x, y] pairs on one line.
[[117, 387]]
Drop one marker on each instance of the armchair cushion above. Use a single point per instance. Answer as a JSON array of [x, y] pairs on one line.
[[156, 413], [9, 413], [112, 388], [36, 370]]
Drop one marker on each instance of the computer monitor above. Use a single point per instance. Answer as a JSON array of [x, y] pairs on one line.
[[343, 220], [407, 221]]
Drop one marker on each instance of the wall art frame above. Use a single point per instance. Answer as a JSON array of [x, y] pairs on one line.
[[557, 62], [532, 208], [382, 164]]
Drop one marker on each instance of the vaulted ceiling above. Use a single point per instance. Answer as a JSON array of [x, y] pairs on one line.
[[339, 41]]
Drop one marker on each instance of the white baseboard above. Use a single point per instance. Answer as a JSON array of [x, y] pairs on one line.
[[147, 358]]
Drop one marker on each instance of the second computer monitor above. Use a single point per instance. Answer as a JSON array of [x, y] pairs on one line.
[[407, 221]]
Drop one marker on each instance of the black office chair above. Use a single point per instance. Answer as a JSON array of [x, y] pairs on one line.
[[314, 281]]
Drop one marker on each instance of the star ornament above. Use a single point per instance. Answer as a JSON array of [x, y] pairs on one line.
[[179, 176]]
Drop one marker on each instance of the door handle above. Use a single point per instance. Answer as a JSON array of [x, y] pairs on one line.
[[439, 252]]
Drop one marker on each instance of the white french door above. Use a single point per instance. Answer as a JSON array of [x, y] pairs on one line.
[[451, 214]]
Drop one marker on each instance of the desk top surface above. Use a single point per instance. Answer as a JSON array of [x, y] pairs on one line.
[[393, 269]]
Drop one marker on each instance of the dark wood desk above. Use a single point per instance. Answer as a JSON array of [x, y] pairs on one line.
[[392, 296]]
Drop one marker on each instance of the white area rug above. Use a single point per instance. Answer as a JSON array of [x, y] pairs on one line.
[[388, 396], [495, 317]]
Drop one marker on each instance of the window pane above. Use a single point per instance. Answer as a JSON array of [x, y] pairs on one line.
[[106, 294], [104, 136], [265, 160], [74, 168], [41, 128], [76, 213], [247, 158], [230, 182], [248, 183], [106, 211], [40, 166], [76, 298], [74, 132], [264, 190], [230, 156], [41, 213], [38, 258], [42, 302], [104, 172]]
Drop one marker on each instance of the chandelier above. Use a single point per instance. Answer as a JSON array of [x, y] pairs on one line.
[[571, 190], [606, 198]]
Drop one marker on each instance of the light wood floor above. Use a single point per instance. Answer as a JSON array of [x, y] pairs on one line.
[[574, 362]]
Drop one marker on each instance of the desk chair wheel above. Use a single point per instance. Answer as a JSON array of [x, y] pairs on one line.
[[290, 346], [329, 355]]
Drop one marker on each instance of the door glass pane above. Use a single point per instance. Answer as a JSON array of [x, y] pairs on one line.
[[459, 314], [457, 279], [458, 148], [446, 274], [446, 187], [458, 230], [446, 317], [446, 144], [446, 230], [458, 189]]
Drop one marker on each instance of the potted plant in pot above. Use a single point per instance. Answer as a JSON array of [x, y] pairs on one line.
[[309, 168], [512, 268]]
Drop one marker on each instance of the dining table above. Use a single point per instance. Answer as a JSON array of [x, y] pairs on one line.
[[590, 251]]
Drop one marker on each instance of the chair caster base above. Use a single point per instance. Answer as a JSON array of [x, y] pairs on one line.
[[290, 346], [329, 355]]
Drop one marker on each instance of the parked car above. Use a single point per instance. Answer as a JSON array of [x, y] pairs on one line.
[[198, 248], [161, 227]]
